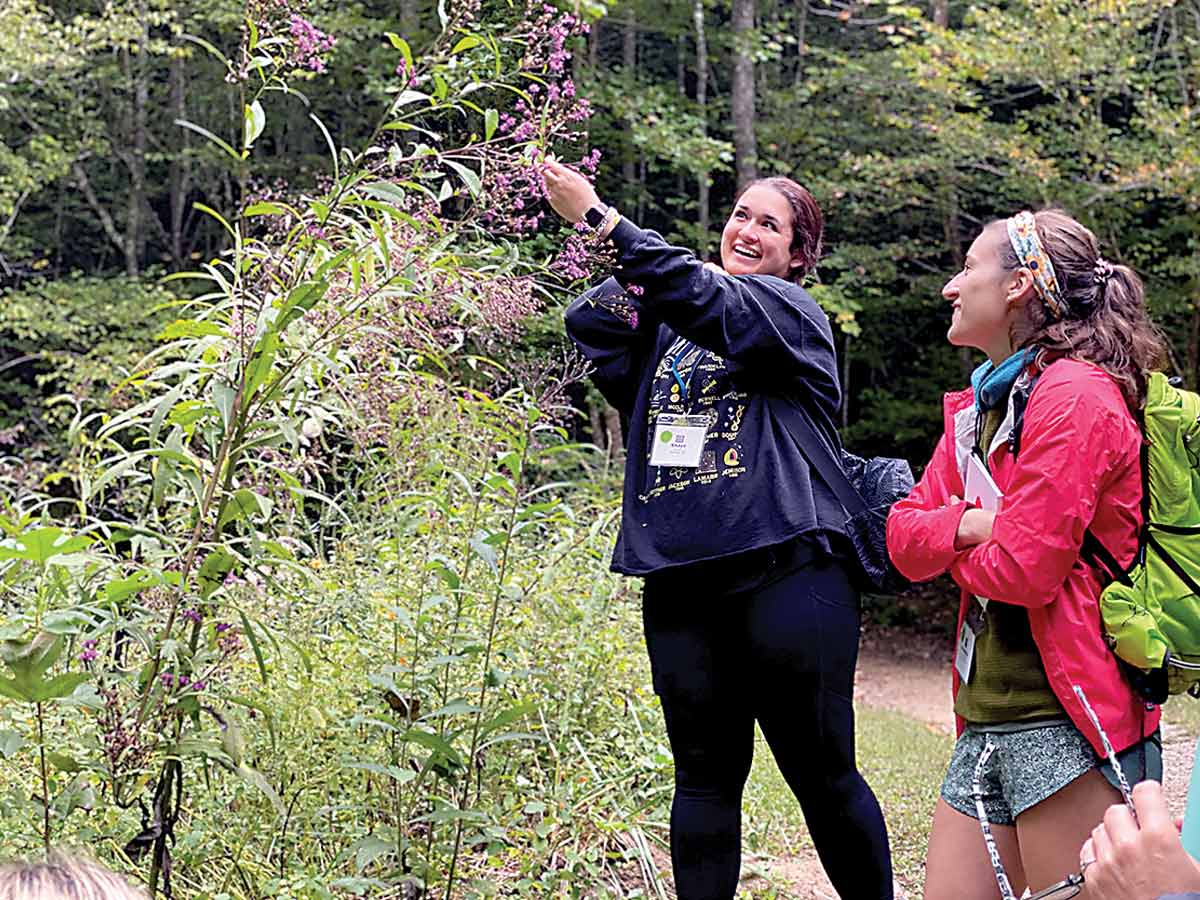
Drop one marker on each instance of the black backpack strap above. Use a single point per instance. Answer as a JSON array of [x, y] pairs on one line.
[[1095, 553], [1020, 401], [820, 456]]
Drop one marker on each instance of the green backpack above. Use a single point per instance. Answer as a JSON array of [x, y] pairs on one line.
[[1151, 611]]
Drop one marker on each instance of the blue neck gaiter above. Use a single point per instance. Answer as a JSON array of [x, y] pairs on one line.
[[992, 383]]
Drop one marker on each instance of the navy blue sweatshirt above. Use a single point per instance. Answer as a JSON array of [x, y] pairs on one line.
[[740, 345]]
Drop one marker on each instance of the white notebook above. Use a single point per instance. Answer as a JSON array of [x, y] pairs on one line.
[[978, 488]]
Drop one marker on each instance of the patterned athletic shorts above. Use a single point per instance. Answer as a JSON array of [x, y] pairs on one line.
[[1029, 766]]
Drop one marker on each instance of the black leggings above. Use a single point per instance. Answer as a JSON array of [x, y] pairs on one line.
[[782, 653]]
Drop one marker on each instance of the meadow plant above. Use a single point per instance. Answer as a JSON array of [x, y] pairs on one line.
[[282, 426]]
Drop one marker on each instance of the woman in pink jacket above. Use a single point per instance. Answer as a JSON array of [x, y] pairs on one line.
[[1050, 419]]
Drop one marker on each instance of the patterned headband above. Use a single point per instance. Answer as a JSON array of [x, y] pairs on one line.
[[1022, 234]]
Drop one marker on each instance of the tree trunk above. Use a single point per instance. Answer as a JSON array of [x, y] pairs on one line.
[[180, 165], [1192, 376], [940, 12], [629, 64], [745, 147], [612, 427], [629, 61], [408, 19], [134, 233], [952, 234], [801, 40], [702, 104]]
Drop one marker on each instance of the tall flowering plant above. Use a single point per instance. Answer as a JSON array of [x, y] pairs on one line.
[[331, 308]]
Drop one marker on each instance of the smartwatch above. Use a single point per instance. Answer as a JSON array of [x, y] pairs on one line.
[[594, 217]]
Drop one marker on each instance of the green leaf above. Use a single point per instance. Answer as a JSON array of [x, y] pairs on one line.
[[123, 588], [440, 747], [10, 743], [189, 328], [14, 690], [470, 179], [31, 659], [223, 397], [370, 848], [266, 208], [262, 360], [231, 740], [410, 96], [302, 298], [252, 638], [467, 43], [402, 45], [242, 504], [204, 132], [216, 566], [491, 119], [62, 762], [487, 553], [384, 190], [255, 122], [43, 544], [58, 687], [256, 778], [66, 621], [508, 717], [396, 773]]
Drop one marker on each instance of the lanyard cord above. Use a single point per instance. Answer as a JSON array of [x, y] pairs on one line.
[[673, 365]]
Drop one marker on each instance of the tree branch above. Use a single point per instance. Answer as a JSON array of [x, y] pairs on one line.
[[106, 220]]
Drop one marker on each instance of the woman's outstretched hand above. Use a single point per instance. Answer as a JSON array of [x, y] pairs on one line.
[[569, 193]]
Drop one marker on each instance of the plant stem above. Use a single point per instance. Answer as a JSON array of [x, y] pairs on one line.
[[45, 781], [497, 596]]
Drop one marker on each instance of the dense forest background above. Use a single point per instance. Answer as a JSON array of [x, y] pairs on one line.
[[913, 125], [305, 508]]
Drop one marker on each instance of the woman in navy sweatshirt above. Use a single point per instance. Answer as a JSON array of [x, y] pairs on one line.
[[748, 610]]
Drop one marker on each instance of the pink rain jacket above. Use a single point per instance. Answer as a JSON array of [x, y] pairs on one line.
[[1077, 468]]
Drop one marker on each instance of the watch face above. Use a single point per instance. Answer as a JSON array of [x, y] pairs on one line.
[[594, 217]]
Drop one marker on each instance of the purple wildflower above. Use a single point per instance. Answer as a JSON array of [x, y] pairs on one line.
[[309, 42], [89, 653]]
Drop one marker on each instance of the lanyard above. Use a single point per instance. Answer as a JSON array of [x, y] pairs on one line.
[[673, 366]]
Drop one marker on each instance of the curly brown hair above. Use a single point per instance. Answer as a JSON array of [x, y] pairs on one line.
[[1106, 323]]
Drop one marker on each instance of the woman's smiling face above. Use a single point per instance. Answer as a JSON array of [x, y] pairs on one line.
[[757, 239], [984, 297]]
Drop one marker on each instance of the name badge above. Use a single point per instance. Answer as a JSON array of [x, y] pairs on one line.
[[965, 652], [972, 626], [678, 440]]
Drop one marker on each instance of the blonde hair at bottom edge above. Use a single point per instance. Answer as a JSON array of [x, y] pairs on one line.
[[62, 876]]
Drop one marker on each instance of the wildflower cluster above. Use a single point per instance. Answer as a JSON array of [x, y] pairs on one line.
[[582, 254], [88, 653], [308, 44], [285, 34], [551, 112]]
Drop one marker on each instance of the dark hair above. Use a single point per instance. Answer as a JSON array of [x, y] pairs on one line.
[[1106, 322], [808, 225]]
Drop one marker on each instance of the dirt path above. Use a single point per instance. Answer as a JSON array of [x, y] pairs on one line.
[[905, 673]]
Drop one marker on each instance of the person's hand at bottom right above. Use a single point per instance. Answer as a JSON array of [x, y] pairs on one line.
[[1122, 861]]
